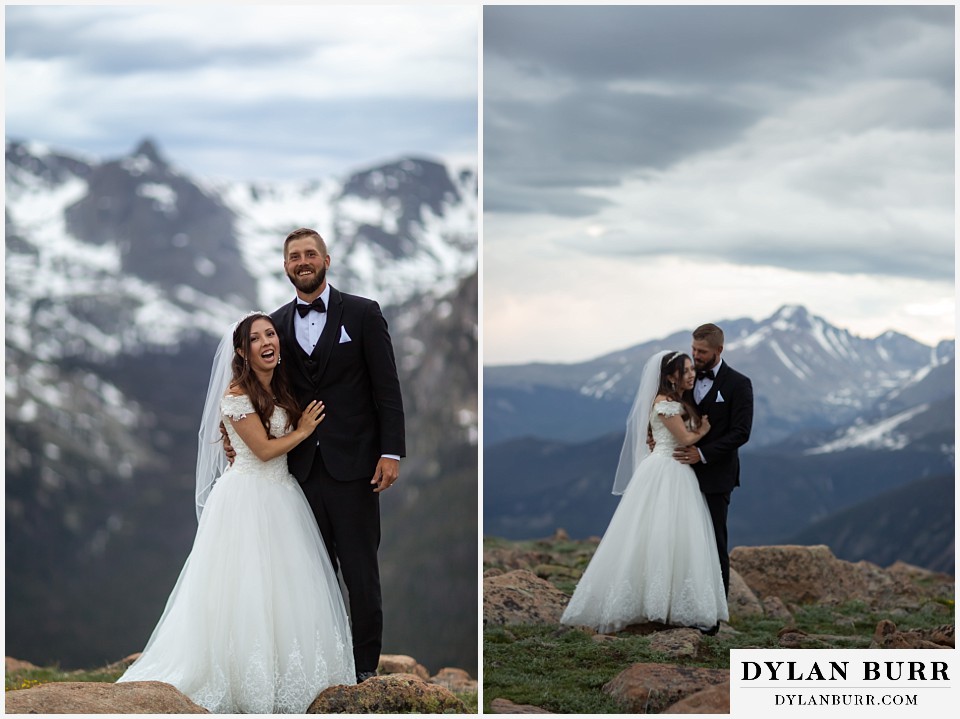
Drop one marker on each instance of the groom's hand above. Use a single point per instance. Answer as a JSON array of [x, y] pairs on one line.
[[227, 447], [686, 455], [386, 473]]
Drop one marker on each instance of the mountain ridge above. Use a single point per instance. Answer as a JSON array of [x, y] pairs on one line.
[[782, 354]]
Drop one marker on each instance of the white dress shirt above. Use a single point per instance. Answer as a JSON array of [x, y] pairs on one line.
[[309, 328], [702, 386]]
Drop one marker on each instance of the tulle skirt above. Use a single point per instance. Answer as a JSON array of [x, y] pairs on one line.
[[256, 622], [657, 560]]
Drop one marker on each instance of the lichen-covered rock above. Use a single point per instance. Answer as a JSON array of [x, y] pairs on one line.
[[521, 597], [505, 706], [18, 665], [679, 643], [454, 679], [401, 664], [101, 698], [651, 688], [887, 636], [742, 602], [774, 608], [813, 575], [391, 694], [712, 700]]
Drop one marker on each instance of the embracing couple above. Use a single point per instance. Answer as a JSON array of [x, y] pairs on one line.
[[256, 622], [664, 555]]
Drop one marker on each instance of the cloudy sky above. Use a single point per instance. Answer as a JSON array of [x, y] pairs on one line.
[[649, 168], [245, 91]]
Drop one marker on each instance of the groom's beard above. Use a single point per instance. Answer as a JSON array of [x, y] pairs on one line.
[[308, 285]]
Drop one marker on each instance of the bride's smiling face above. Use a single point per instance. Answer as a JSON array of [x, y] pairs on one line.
[[264, 345], [687, 376]]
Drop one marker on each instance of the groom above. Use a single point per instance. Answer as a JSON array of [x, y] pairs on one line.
[[726, 397], [336, 348]]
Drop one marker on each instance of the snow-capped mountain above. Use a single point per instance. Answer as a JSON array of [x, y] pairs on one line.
[[146, 254], [806, 373], [121, 275]]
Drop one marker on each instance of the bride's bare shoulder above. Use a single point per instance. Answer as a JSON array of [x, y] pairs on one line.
[[234, 390]]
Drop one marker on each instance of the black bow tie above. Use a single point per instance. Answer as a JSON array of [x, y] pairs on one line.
[[703, 373], [305, 309]]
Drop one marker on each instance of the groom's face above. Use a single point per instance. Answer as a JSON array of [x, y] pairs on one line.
[[306, 265], [705, 356]]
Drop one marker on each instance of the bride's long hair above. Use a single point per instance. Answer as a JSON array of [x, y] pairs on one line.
[[669, 365], [244, 378]]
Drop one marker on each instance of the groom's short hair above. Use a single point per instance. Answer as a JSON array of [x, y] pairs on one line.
[[712, 334], [302, 232]]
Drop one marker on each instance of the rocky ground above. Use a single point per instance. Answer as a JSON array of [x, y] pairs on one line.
[[781, 596], [402, 686]]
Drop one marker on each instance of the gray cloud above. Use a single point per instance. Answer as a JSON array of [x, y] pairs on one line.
[[712, 44], [80, 37], [521, 199], [250, 92], [691, 79], [591, 136], [814, 138]]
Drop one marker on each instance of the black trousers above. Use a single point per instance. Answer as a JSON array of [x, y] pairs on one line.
[[348, 515], [718, 504]]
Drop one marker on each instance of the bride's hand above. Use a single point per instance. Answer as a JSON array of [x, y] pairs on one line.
[[704, 425], [312, 415]]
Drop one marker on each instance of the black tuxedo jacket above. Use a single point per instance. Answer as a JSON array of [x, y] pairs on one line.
[[357, 381], [730, 422]]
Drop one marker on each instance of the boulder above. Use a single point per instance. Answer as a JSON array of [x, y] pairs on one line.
[[741, 601], [792, 638], [887, 636], [101, 698], [521, 597], [505, 706], [799, 574], [774, 608], [392, 694], [401, 664], [18, 665], [712, 700], [456, 680], [680, 643], [651, 688]]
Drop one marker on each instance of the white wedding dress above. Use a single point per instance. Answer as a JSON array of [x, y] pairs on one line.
[[256, 622], [658, 559]]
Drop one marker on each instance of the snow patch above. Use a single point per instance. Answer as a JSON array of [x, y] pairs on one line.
[[881, 435]]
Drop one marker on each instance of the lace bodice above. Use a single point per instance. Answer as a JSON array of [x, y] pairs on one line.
[[664, 438], [239, 406]]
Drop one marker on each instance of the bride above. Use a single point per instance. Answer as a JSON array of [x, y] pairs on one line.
[[658, 559], [255, 622]]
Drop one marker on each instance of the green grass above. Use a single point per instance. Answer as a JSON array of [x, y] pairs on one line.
[[470, 699], [563, 670], [26, 678]]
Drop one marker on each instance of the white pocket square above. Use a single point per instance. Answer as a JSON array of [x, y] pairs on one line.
[[719, 396], [344, 337]]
